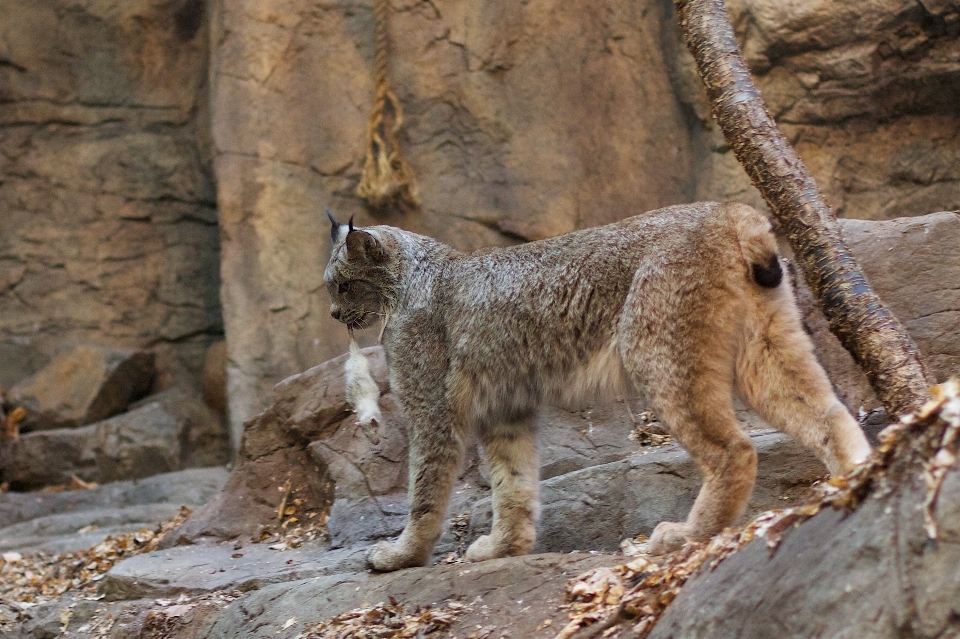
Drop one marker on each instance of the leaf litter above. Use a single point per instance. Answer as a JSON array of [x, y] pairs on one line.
[[603, 601], [27, 581], [387, 619]]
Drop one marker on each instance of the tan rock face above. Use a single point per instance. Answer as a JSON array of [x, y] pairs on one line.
[[914, 267], [522, 121], [83, 385], [108, 233], [860, 88]]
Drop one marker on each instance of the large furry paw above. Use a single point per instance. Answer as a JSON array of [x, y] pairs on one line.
[[481, 549], [387, 556], [668, 536]]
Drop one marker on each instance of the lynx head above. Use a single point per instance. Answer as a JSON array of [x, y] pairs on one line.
[[361, 275]]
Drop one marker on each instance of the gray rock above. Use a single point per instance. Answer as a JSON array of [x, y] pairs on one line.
[[203, 436], [19, 360], [83, 385], [167, 432], [868, 573], [207, 567], [310, 589], [75, 531], [914, 266], [189, 487], [596, 508], [73, 520], [512, 595]]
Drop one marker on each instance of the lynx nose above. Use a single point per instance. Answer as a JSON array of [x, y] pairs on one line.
[[335, 313]]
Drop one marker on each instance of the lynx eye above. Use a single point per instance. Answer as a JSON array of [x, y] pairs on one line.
[[344, 288]]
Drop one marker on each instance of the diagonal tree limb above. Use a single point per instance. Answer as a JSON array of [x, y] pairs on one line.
[[866, 328]]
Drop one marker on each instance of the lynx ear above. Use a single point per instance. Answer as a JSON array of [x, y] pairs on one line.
[[336, 230], [363, 246]]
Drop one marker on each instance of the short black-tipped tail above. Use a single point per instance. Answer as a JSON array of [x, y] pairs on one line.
[[768, 275]]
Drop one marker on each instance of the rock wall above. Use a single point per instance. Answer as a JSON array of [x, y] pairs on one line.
[[108, 229], [528, 120], [521, 121], [861, 89]]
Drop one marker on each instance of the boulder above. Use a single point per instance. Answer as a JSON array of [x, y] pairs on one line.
[[194, 486], [77, 519], [83, 385], [274, 464], [881, 564], [914, 266], [166, 432], [109, 230]]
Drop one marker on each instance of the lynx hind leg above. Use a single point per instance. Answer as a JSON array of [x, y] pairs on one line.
[[678, 337], [700, 415], [780, 377], [511, 453], [436, 450]]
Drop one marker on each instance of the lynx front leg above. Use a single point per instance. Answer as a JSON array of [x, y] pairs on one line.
[[436, 449], [511, 452]]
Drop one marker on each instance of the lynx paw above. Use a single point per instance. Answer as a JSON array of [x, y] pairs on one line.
[[386, 557], [668, 536], [481, 549]]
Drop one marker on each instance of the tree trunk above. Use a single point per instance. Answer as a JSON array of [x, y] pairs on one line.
[[865, 327]]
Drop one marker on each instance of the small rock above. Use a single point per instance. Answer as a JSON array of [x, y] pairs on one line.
[[83, 385], [164, 433], [75, 519]]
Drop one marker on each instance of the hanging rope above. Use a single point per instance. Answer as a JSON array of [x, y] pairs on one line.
[[386, 175]]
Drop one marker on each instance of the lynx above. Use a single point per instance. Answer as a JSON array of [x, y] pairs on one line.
[[686, 305]]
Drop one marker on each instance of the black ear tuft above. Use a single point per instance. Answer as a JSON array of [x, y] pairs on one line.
[[335, 228], [350, 224]]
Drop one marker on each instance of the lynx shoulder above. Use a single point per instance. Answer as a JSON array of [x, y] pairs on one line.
[[686, 304]]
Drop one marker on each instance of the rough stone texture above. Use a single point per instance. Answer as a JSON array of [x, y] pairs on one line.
[[71, 520], [519, 592], [193, 486], [914, 266], [78, 531], [516, 593], [521, 121], [83, 385], [511, 597], [166, 432], [595, 508], [275, 449], [108, 233], [860, 89], [206, 567], [872, 573]]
